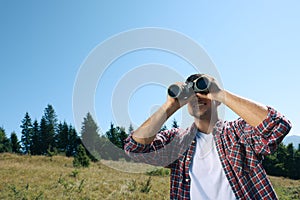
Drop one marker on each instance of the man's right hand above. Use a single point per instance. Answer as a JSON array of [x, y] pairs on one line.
[[148, 130]]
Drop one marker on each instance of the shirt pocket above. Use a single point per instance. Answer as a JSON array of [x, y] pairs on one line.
[[242, 158]]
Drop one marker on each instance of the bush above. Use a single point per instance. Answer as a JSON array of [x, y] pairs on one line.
[[159, 172]]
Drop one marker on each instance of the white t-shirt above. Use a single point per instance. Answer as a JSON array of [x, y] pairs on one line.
[[208, 180]]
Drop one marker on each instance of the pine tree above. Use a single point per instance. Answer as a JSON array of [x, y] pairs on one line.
[[49, 134], [290, 161], [81, 159], [90, 136], [36, 140], [62, 136], [112, 135], [73, 142], [15, 144], [297, 164], [43, 137], [163, 128], [130, 129], [122, 135], [116, 135], [26, 134], [5, 145], [175, 124], [67, 139]]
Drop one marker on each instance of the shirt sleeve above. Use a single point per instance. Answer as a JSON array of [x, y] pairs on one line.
[[166, 148], [264, 138], [154, 153]]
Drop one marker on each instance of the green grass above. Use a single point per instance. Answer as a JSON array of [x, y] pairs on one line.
[[40, 177], [286, 188]]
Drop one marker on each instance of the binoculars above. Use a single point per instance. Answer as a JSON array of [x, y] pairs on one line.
[[200, 85]]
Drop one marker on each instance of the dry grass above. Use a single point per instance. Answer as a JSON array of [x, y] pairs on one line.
[[39, 177]]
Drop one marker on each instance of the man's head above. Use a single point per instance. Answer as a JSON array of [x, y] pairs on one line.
[[193, 77]]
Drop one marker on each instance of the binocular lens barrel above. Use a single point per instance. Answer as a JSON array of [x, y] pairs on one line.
[[200, 85], [174, 91]]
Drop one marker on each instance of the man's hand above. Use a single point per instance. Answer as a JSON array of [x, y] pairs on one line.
[[176, 103], [146, 133], [215, 92]]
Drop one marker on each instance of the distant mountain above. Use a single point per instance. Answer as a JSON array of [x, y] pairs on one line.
[[295, 139]]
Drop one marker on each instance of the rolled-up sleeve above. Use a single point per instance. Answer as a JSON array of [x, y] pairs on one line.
[[264, 138], [156, 153], [132, 146], [167, 146], [273, 129]]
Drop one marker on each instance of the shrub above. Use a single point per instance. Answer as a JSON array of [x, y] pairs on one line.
[[159, 172]]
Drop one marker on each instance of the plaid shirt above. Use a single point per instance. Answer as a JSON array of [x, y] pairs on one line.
[[240, 146]]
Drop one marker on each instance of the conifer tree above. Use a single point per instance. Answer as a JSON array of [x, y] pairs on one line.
[[112, 135], [67, 139], [43, 137], [117, 135], [73, 142], [90, 137], [49, 134], [297, 164], [15, 144], [36, 144], [62, 136], [290, 161], [122, 135], [26, 133], [5, 145], [89, 133], [81, 159], [175, 124], [163, 128], [130, 129]]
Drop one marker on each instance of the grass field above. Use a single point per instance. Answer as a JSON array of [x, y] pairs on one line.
[[39, 177]]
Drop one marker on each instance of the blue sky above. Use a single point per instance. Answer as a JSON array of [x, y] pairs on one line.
[[254, 45]]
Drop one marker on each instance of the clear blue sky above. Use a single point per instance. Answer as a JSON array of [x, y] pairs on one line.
[[255, 46]]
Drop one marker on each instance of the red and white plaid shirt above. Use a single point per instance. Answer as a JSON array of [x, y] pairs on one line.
[[240, 146]]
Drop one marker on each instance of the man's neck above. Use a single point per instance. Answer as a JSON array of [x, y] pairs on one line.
[[206, 125]]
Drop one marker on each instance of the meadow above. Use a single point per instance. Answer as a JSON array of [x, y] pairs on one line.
[[41, 177]]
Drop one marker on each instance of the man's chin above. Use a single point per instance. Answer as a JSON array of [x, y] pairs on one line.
[[201, 112]]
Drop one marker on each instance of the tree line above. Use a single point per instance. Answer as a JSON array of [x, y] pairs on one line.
[[45, 137], [284, 162], [50, 136]]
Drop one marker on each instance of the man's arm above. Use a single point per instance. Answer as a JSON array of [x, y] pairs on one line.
[[252, 112], [146, 133]]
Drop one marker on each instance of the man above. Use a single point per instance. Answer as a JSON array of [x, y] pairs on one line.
[[213, 159]]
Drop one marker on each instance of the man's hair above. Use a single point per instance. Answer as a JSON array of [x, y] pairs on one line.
[[192, 77]]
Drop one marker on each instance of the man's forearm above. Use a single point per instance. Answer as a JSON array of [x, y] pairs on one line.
[[253, 113], [148, 130]]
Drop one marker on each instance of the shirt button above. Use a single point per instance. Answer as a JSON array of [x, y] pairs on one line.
[[187, 180], [188, 158], [193, 142]]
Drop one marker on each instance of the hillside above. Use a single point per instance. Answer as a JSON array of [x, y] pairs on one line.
[[39, 177], [295, 139]]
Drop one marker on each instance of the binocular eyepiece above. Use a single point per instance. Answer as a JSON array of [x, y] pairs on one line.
[[200, 85]]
